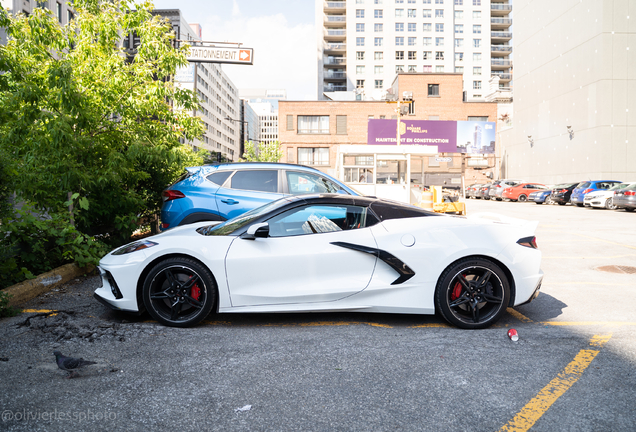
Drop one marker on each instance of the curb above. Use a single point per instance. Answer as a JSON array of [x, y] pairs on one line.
[[29, 289]]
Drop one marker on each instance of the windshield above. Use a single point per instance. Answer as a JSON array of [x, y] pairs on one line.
[[619, 186], [231, 225]]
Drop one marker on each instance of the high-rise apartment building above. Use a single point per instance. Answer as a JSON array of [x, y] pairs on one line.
[[264, 102], [362, 44], [60, 9]]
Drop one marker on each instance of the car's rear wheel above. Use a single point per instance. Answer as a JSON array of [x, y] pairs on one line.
[[179, 292], [472, 293], [629, 209], [609, 204], [522, 198], [561, 203], [580, 205]]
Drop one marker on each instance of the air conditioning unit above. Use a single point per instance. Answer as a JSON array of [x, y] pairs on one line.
[[407, 95]]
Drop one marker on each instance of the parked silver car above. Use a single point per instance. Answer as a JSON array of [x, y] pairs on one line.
[[497, 188]]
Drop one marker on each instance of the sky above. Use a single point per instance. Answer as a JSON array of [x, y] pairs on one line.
[[281, 32]]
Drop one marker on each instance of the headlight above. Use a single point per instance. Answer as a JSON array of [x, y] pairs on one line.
[[135, 246]]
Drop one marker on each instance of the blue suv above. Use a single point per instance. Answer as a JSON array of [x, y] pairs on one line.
[[221, 192], [583, 188]]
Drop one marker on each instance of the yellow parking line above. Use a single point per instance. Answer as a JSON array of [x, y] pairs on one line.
[[38, 311], [534, 409], [519, 315]]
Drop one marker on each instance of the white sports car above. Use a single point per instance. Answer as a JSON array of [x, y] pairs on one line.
[[329, 253]]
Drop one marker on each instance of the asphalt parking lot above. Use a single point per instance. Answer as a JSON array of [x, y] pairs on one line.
[[573, 367]]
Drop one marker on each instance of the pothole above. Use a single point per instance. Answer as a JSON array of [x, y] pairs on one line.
[[617, 269]]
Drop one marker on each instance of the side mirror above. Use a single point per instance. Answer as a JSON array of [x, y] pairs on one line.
[[257, 230]]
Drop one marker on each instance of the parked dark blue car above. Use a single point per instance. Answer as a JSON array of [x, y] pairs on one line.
[[540, 197], [583, 188], [221, 192]]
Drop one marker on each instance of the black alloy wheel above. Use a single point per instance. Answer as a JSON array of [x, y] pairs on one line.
[[472, 293], [179, 292]]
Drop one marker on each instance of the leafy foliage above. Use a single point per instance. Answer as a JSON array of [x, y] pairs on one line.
[[5, 309], [81, 113], [262, 152]]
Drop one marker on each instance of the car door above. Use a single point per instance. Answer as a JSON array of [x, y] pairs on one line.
[[299, 262], [246, 190]]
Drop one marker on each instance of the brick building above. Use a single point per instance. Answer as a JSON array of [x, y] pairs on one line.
[[333, 136]]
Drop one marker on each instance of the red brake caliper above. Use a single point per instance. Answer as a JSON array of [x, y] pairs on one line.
[[457, 291], [195, 292]]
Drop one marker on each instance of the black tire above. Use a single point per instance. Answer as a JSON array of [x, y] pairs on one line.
[[629, 209], [609, 204], [179, 292], [562, 203], [522, 198], [537, 202], [499, 199], [472, 293], [580, 205]]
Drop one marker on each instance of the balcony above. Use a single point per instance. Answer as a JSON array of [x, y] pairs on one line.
[[500, 23], [498, 36], [500, 50], [335, 48], [501, 9], [335, 35], [503, 77], [332, 88], [500, 64], [335, 61], [335, 7], [336, 20], [335, 76]]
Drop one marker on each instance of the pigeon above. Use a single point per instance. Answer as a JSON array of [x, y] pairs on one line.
[[70, 364]]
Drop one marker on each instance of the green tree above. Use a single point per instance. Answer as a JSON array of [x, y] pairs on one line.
[[262, 152], [81, 114]]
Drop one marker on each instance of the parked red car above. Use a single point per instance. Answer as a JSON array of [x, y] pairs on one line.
[[521, 191]]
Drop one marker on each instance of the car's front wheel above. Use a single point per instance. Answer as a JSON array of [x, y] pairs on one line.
[[522, 198], [609, 204], [472, 293], [179, 292]]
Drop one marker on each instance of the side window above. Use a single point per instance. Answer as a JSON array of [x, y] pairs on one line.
[[256, 180], [318, 219], [219, 177], [303, 183]]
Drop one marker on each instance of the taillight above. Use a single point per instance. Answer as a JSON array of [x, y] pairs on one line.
[[587, 190], [499, 186], [563, 191], [630, 193], [169, 195], [530, 242], [165, 226]]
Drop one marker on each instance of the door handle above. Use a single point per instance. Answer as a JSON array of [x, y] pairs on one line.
[[229, 201]]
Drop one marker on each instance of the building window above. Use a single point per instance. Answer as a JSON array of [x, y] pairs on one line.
[[439, 28], [399, 41], [313, 124], [476, 2], [411, 13], [459, 28], [459, 69], [360, 55], [341, 125], [427, 27], [476, 56], [459, 14], [427, 41], [379, 84], [426, 1], [399, 1], [359, 13], [399, 55], [399, 68], [477, 70], [439, 41], [428, 68], [378, 55], [377, 1], [439, 55], [412, 41], [378, 28], [477, 43], [476, 85], [290, 122], [69, 16], [412, 27], [59, 12], [439, 69], [477, 118], [360, 41], [313, 156], [477, 28], [427, 55], [459, 2], [412, 68], [399, 13], [379, 70], [399, 27], [360, 27], [412, 55], [378, 13], [439, 13], [477, 14], [360, 70], [433, 89], [359, 1], [359, 83], [439, 1], [377, 42], [459, 43], [426, 13]]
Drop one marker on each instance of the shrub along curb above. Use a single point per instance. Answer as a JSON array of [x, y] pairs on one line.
[[29, 289]]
